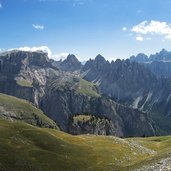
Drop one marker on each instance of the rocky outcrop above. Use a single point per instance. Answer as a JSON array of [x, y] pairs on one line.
[[63, 104], [71, 63], [89, 124]]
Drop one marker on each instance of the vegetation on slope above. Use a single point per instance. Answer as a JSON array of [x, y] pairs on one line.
[[24, 83], [13, 108], [87, 88], [84, 124], [25, 147]]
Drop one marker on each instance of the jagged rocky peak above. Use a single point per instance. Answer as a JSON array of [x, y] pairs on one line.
[[100, 58], [163, 51], [71, 63], [72, 57], [163, 55], [99, 63], [141, 57]]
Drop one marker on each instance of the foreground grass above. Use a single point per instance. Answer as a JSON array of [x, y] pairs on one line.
[[25, 147]]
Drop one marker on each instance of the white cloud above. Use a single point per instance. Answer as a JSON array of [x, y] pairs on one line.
[[61, 56], [153, 28], [38, 27], [139, 38], [0, 5], [34, 49], [124, 29]]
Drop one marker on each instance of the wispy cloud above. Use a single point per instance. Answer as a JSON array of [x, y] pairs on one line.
[[152, 28], [60, 56], [34, 49], [0, 5], [139, 38], [124, 29], [38, 27]]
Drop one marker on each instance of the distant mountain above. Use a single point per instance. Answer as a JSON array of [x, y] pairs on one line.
[[141, 57], [159, 63], [163, 56]]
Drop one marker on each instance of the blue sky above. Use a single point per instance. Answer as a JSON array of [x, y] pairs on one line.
[[113, 28]]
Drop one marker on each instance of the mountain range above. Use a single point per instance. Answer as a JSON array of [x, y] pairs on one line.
[[124, 98]]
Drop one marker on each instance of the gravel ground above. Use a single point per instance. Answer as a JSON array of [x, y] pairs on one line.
[[161, 165]]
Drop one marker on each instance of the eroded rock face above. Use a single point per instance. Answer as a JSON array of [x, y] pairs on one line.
[[133, 85], [89, 124], [62, 105], [71, 63], [24, 74]]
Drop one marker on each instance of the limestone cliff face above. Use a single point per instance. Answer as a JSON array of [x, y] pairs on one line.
[[63, 105], [24, 74]]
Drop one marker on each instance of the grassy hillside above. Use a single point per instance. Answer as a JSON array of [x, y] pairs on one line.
[[13, 108], [87, 88], [25, 147]]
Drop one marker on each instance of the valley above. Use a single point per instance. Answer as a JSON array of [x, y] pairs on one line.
[[26, 147]]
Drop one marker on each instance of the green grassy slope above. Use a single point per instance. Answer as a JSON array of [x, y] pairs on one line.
[[87, 88], [25, 147], [24, 83], [12, 108]]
